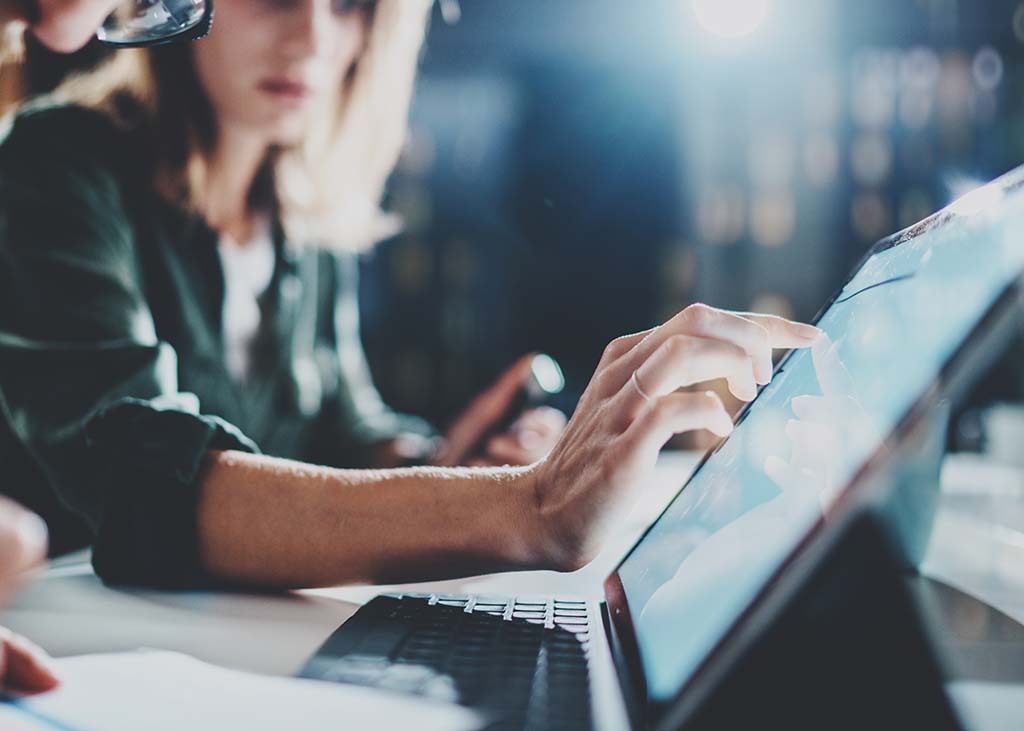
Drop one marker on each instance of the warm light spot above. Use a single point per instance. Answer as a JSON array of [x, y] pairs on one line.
[[773, 217], [721, 214]]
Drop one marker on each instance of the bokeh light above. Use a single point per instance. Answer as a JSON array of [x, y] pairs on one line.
[[731, 18]]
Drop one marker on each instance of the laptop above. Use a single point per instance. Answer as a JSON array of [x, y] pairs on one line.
[[913, 324]]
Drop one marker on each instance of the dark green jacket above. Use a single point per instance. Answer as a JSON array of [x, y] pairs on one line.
[[112, 370]]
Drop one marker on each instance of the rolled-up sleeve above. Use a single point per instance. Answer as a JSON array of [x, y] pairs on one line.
[[86, 385]]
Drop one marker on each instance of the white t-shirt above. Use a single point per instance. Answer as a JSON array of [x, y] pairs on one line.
[[248, 269]]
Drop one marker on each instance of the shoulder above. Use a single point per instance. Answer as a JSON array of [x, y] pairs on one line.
[[47, 133], [68, 183]]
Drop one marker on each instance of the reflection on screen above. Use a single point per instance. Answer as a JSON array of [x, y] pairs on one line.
[[897, 321]]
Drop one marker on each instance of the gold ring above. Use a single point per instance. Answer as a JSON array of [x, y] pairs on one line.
[[635, 380]]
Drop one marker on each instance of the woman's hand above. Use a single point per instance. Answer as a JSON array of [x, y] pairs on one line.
[[61, 25], [534, 433], [530, 439], [632, 407], [22, 543], [24, 668]]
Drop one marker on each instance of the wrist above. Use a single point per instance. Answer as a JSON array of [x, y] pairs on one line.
[[522, 522], [543, 546]]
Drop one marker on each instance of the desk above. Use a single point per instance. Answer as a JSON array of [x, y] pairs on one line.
[[977, 548]]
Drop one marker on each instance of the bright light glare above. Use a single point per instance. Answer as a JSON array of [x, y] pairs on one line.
[[974, 201], [730, 18]]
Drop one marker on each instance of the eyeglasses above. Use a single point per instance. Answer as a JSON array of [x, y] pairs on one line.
[[137, 23]]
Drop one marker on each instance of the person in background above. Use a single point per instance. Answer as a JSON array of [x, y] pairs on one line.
[[62, 25], [196, 291]]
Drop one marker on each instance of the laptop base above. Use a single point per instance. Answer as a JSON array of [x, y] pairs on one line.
[[849, 652]]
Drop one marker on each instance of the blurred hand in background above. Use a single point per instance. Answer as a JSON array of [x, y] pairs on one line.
[[24, 668], [477, 439], [61, 25]]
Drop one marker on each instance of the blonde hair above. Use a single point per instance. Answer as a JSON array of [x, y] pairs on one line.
[[12, 54], [326, 190]]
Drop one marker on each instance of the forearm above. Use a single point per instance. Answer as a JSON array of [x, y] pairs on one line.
[[274, 522]]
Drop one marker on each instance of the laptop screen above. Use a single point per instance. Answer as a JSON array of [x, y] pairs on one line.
[[888, 334]]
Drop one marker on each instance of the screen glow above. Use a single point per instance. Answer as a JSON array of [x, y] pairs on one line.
[[828, 409]]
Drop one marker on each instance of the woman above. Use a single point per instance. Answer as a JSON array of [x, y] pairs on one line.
[[24, 668], [145, 323]]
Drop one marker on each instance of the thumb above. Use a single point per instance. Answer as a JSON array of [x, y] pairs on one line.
[[508, 384], [483, 412]]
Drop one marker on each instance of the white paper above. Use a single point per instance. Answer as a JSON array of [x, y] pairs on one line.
[[167, 691]]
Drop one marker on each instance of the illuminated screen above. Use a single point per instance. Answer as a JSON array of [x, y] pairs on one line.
[[888, 333]]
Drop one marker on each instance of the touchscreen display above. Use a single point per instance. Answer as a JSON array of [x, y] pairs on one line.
[[887, 335]]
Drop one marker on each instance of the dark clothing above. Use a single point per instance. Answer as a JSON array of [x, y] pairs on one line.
[[112, 368]]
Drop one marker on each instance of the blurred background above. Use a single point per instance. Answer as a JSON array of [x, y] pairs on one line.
[[579, 169], [584, 168]]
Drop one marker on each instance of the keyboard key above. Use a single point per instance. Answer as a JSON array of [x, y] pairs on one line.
[[570, 612], [527, 671]]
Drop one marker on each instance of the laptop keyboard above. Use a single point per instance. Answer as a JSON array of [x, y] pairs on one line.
[[523, 662]]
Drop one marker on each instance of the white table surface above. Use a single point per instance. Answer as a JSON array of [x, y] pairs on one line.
[[977, 546]]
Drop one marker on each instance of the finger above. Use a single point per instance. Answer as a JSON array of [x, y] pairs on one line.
[[833, 378], [22, 540], [685, 360], [66, 27], [814, 445], [785, 333], [482, 413], [708, 322], [782, 474], [506, 449], [619, 347], [677, 413], [544, 420], [512, 379], [27, 668], [529, 440], [790, 479]]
